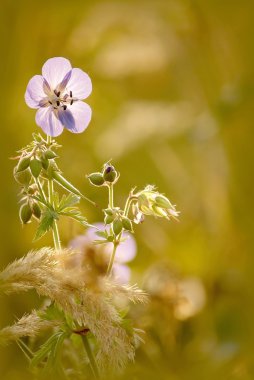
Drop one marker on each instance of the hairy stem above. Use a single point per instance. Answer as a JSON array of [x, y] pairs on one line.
[[112, 258], [55, 232], [111, 195], [56, 238], [90, 356]]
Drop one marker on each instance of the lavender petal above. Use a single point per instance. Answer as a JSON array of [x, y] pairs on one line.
[[55, 69], [80, 84], [47, 119], [34, 92], [76, 117]]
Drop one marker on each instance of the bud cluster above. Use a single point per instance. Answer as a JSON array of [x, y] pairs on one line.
[[151, 202], [30, 207], [119, 221], [108, 176], [36, 159]]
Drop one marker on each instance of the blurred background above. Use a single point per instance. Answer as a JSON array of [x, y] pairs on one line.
[[172, 103]]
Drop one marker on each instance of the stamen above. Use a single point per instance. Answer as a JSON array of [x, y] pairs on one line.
[[58, 103], [57, 93], [50, 102], [65, 107], [71, 94], [72, 101]]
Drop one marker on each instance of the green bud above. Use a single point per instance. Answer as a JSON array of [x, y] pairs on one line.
[[96, 179], [109, 211], [109, 173], [117, 226], [23, 164], [23, 178], [108, 219], [45, 163], [36, 210], [162, 201], [110, 238], [127, 224], [25, 213], [35, 167], [49, 154]]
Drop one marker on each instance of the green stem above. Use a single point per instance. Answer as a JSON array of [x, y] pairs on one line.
[[90, 356], [117, 242], [112, 258], [55, 232], [111, 195]]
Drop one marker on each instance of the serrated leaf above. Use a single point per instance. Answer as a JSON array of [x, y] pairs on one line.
[[45, 224], [50, 349], [67, 201]]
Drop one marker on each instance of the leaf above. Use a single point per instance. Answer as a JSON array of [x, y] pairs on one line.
[[102, 234], [67, 201], [52, 313], [74, 213], [51, 349], [45, 224]]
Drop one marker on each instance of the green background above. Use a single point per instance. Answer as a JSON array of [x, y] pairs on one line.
[[172, 103]]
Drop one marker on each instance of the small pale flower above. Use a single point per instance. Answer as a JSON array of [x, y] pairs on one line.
[[151, 202], [58, 95]]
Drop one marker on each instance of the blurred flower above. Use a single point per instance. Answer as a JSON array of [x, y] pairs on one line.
[[57, 95], [191, 298], [99, 255], [151, 202], [186, 296]]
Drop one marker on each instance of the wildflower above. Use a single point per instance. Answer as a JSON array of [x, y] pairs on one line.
[[126, 252], [151, 202], [57, 95]]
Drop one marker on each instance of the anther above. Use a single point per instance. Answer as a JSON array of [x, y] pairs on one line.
[[71, 94], [71, 101], [50, 102], [58, 103], [65, 107]]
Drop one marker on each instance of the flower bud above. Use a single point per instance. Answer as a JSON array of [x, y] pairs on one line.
[[25, 213], [96, 179], [109, 173], [49, 154], [117, 226], [108, 211], [36, 210], [127, 224], [162, 201], [23, 178], [35, 167], [44, 163], [23, 164], [108, 219]]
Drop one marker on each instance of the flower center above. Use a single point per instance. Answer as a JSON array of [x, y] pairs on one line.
[[60, 100]]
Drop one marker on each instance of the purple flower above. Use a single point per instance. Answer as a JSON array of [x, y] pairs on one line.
[[57, 95]]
